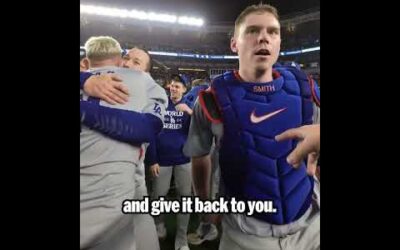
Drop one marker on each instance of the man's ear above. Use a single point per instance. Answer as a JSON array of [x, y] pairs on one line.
[[233, 45], [85, 63]]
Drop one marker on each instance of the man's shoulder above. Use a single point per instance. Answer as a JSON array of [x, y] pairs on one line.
[[227, 75], [131, 73], [135, 78], [119, 71]]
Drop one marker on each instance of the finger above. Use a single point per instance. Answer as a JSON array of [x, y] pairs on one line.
[[116, 78], [114, 97], [122, 87], [155, 174], [295, 164], [157, 171], [293, 133], [299, 153], [312, 164], [122, 96], [107, 99]]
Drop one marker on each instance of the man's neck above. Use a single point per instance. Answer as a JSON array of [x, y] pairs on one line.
[[176, 99], [103, 63], [255, 75]]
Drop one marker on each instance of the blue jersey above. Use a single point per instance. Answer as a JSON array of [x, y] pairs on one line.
[[191, 96], [167, 150]]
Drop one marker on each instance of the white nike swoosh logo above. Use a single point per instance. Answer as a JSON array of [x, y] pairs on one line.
[[255, 119]]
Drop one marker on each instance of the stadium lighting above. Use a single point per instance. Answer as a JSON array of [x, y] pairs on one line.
[[160, 53], [310, 49], [190, 21], [161, 17], [140, 15], [189, 69], [231, 57], [219, 57]]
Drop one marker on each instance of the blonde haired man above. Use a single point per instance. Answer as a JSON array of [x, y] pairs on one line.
[[112, 138]]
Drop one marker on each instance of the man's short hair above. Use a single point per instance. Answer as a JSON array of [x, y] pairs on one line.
[[255, 8], [102, 47]]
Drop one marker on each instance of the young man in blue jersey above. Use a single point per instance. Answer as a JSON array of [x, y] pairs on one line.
[[244, 111], [165, 157]]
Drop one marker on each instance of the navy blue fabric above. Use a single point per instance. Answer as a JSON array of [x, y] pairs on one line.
[[167, 150], [122, 125], [253, 165], [190, 97]]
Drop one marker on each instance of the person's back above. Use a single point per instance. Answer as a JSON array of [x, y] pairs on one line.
[[106, 162], [98, 148], [107, 166]]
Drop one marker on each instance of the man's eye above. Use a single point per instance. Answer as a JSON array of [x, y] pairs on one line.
[[252, 31]]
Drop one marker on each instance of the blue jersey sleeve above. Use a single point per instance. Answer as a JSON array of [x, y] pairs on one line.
[[83, 77], [123, 125]]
